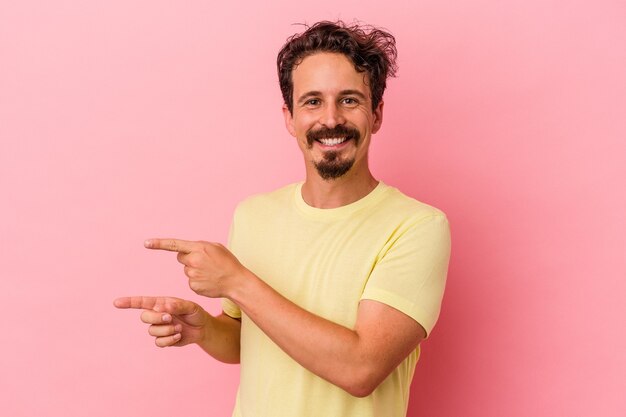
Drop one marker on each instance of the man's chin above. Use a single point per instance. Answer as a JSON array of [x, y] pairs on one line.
[[333, 170]]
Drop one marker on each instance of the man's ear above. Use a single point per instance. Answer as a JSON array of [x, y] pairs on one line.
[[288, 121], [378, 117]]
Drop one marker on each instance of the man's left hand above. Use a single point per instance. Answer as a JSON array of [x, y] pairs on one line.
[[210, 267]]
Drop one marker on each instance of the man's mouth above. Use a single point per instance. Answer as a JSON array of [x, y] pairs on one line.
[[333, 137], [333, 141]]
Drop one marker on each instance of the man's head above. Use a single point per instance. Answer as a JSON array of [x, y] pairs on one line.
[[372, 52], [333, 78]]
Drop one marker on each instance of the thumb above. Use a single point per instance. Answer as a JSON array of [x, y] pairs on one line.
[[178, 307]]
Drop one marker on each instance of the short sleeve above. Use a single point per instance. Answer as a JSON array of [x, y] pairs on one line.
[[231, 309], [411, 275], [228, 307]]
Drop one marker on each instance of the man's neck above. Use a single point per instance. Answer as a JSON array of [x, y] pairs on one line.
[[339, 192]]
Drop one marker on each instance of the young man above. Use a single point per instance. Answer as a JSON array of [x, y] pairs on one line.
[[329, 285]]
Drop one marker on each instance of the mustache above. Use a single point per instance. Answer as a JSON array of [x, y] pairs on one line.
[[335, 132]]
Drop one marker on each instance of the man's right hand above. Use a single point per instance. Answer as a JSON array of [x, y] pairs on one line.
[[173, 321]]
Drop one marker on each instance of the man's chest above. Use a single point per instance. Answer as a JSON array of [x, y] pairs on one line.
[[322, 267]]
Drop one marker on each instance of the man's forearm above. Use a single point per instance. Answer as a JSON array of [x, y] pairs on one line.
[[221, 338], [357, 360], [327, 349]]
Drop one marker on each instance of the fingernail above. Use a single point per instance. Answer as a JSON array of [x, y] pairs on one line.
[[178, 328], [147, 243], [177, 336], [166, 317]]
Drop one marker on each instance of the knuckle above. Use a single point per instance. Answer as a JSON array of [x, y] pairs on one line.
[[195, 286], [194, 259], [145, 317], [162, 330], [150, 317]]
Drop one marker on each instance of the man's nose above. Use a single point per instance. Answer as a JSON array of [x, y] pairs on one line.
[[332, 116]]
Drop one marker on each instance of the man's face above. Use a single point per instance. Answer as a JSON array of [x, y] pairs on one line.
[[332, 115]]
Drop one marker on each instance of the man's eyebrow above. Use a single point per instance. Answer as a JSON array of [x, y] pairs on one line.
[[308, 94], [353, 93]]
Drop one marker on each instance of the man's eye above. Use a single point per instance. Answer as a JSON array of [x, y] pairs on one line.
[[349, 101], [312, 102]]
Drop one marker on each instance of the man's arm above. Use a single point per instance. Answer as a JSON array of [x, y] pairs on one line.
[[357, 360], [177, 322]]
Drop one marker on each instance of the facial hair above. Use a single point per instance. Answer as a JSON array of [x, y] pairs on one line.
[[332, 166]]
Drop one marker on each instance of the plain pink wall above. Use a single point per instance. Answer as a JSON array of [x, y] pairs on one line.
[[122, 120]]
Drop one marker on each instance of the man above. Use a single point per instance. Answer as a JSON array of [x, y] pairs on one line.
[[329, 285]]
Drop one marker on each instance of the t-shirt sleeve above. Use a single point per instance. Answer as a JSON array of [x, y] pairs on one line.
[[228, 307], [411, 275], [231, 309]]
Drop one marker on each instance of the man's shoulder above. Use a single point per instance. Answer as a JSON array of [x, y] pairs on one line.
[[400, 204], [281, 197]]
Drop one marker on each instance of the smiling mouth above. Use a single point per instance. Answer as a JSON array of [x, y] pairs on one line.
[[331, 137], [333, 141]]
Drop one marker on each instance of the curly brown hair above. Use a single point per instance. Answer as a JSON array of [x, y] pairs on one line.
[[371, 50]]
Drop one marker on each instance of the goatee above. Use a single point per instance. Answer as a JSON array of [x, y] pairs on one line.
[[332, 166]]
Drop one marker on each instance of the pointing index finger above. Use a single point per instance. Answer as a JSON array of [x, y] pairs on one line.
[[170, 305], [172, 245]]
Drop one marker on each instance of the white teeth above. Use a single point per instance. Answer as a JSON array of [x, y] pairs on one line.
[[332, 141]]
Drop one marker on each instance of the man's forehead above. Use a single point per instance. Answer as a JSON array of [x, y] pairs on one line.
[[328, 73]]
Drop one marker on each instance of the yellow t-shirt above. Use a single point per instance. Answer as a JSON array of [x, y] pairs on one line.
[[385, 247]]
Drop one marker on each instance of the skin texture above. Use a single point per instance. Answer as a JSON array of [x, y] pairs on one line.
[[176, 322], [327, 92]]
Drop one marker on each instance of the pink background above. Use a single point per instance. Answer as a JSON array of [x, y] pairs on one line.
[[122, 120]]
